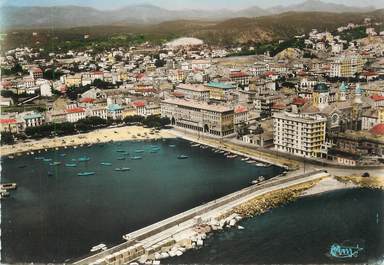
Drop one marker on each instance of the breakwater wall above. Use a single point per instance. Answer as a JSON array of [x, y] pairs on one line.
[[155, 237]]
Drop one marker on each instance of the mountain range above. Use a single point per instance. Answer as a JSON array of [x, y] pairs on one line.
[[78, 16]]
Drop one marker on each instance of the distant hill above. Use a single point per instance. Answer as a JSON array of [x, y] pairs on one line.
[[78, 16], [223, 32]]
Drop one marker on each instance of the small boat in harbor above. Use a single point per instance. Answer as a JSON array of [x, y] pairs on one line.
[[227, 153], [136, 157], [261, 178], [47, 159], [254, 182], [251, 161], [120, 151], [106, 164], [221, 152], [121, 158], [172, 145], [231, 156], [154, 151], [71, 165], [86, 173], [8, 186], [98, 248], [83, 159], [260, 165], [245, 159], [195, 145], [39, 158], [182, 157], [139, 151], [122, 169], [55, 163], [63, 155]]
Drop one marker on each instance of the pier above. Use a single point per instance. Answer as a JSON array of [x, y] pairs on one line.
[[149, 241]]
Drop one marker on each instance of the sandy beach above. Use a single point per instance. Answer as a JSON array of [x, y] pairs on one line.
[[98, 136]]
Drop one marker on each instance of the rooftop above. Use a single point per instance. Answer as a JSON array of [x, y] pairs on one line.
[[198, 105], [193, 87], [220, 85]]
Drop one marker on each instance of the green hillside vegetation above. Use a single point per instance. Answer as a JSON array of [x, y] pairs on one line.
[[260, 30]]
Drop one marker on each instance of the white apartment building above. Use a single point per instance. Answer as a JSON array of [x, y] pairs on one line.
[[199, 116], [75, 114], [299, 134], [193, 91]]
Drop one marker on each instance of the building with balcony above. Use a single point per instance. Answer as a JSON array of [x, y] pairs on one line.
[[199, 116], [299, 134]]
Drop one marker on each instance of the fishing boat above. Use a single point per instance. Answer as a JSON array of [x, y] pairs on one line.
[[120, 151], [8, 186], [71, 165], [121, 158], [136, 157], [98, 248], [47, 159], [260, 164], [83, 159], [86, 173], [122, 169], [139, 151], [55, 163], [106, 164], [182, 157]]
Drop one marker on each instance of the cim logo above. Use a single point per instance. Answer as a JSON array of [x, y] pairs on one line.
[[341, 251]]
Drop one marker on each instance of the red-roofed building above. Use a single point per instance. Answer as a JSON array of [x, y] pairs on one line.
[[240, 115], [299, 101], [10, 125], [378, 100], [75, 114], [87, 100], [239, 77], [378, 130]]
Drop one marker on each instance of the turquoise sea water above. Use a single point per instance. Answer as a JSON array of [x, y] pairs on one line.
[[56, 215]]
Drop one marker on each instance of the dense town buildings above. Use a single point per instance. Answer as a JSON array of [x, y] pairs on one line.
[[325, 101]]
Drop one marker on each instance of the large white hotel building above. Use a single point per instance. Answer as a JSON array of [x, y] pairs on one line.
[[299, 134], [212, 119]]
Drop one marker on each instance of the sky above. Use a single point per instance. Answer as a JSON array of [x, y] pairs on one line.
[[183, 4]]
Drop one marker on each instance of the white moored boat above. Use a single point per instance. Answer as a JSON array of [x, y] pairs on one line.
[[99, 247]]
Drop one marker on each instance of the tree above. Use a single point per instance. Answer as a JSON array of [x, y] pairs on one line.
[[133, 119], [7, 138]]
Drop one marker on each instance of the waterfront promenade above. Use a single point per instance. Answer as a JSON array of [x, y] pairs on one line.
[[171, 228]]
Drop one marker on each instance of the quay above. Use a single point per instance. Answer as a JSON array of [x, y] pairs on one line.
[[150, 241]]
